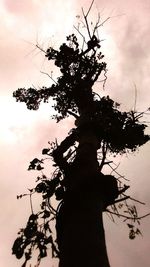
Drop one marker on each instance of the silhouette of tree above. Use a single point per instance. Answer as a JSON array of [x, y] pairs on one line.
[[78, 181]]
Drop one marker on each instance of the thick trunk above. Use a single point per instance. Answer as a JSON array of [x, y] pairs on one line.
[[82, 240]]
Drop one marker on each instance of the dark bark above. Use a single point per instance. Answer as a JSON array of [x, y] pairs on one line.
[[80, 229], [82, 233]]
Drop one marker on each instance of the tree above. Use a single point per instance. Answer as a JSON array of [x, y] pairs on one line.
[[81, 187]]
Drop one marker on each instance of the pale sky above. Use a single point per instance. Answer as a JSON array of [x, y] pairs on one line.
[[24, 133]]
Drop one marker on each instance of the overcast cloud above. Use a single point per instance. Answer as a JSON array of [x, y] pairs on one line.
[[24, 133]]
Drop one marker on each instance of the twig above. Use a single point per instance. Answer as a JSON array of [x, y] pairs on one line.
[[85, 18], [105, 75], [120, 176], [135, 200], [53, 211], [121, 199], [125, 188], [110, 216], [104, 152], [100, 81], [101, 24], [127, 217], [135, 100], [48, 76], [31, 203], [82, 37], [95, 28], [90, 8], [73, 114], [37, 45], [113, 206], [79, 32], [87, 26], [94, 93], [114, 169]]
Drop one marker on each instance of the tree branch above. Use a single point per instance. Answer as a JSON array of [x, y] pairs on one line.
[[50, 76], [104, 152], [73, 114], [127, 217]]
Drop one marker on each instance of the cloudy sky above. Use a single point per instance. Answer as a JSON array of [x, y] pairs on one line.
[[24, 133]]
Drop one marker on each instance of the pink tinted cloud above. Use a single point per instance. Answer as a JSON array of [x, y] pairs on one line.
[[18, 7], [130, 34]]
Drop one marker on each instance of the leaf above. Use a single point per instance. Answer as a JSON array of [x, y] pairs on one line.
[[138, 232], [120, 206], [130, 225], [20, 196], [59, 193], [41, 187], [39, 168], [43, 252], [31, 190], [46, 214], [131, 234], [45, 151], [49, 240], [18, 247], [35, 164], [31, 167], [30, 230], [40, 236], [28, 255], [33, 217], [34, 161], [46, 226]]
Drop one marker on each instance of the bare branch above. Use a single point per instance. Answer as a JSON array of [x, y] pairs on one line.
[[89, 8], [105, 75], [85, 18], [125, 188], [73, 114], [135, 100], [114, 170], [95, 27], [135, 200], [81, 35], [121, 199], [110, 216], [31, 205], [40, 48], [127, 217], [103, 22], [104, 152], [50, 76], [53, 211]]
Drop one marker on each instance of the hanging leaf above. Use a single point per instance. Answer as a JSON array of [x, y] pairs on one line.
[[130, 225], [132, 234], [41, 187], [18, 247], [45, 151], [46, 214]]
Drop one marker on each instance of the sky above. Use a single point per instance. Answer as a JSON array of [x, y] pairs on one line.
[[24, 133]]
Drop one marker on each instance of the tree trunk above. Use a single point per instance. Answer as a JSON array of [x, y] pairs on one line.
[[83, 239], [81, 228]]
